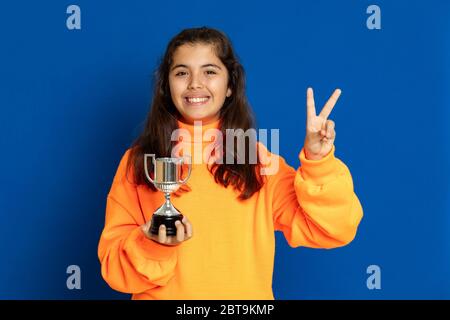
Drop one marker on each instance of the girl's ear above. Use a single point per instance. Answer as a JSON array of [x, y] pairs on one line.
[[229, 92]]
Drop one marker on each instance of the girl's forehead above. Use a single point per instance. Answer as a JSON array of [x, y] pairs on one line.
[[195, 54]]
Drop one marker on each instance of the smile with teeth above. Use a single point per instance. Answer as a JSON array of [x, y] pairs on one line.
[[196, 101]]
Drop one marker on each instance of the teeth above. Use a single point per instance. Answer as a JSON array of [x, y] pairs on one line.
[[196, 100]]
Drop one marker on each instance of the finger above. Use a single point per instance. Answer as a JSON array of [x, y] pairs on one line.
[[162, 237], [330, 104], [188, 225], [330, 128], [145, 229], [180, 231], [323, 129], [310, 106]]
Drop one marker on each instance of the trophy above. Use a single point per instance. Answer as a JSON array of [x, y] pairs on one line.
[[167, 179]]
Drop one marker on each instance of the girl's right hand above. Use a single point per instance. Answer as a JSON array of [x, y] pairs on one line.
[[184, 232]]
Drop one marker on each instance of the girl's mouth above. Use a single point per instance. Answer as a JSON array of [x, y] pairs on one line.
[[198, 101]]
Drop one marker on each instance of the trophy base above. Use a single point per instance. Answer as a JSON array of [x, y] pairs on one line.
[[168, 221]]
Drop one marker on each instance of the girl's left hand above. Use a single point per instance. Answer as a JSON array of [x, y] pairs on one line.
[[320, 134]]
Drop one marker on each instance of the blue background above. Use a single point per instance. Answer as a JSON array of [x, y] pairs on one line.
[[72, 102]]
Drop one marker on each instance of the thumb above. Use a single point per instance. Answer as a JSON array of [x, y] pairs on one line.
[[146, 227]]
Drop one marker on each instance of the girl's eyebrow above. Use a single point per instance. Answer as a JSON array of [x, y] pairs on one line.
[[203, 66]]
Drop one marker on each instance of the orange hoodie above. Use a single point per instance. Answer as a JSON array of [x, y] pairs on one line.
[[231, 253]]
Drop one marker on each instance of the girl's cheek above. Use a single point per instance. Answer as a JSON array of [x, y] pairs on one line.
[[213, 84], [179, 85]]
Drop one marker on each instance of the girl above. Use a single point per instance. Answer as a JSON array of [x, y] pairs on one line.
[[224, 247]]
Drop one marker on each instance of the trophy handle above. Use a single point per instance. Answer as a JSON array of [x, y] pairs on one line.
[[147, 155], [189, 170]]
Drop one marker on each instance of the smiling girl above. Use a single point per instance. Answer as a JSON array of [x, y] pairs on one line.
[[224, 247]]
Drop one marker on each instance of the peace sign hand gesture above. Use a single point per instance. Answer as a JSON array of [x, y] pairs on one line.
[[320, 132]]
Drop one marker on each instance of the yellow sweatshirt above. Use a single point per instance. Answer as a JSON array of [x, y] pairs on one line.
[[231, 253]]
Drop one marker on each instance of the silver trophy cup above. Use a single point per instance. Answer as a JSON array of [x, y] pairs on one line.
[[167, 178]]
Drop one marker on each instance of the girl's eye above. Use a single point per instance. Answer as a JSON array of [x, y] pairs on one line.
[[182, 73]]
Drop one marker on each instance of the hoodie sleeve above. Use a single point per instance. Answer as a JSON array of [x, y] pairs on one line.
[[130, 262], [315, 206]]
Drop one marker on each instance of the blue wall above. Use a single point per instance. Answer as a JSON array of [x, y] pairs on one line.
[[73, 100]]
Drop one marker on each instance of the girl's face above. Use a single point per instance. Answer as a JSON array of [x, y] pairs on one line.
[[198, 82]]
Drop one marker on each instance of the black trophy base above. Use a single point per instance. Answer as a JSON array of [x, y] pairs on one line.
[[168, 221]]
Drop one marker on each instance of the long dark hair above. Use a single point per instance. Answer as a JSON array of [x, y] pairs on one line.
[[234, 114]]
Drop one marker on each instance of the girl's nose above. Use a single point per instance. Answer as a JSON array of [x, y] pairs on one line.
[[195, 82]]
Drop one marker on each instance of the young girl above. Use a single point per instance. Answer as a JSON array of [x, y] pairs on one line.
[[224, 247]]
